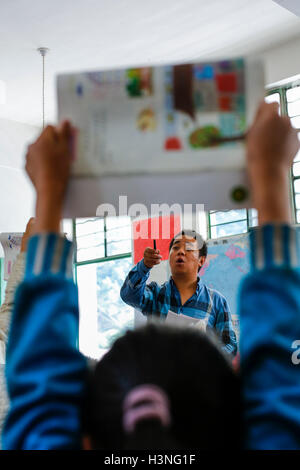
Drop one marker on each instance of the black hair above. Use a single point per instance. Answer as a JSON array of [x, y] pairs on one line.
[[196, 236], [203, 390]]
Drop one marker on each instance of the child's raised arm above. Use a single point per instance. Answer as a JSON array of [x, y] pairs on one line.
[[45, 371], [269, 298]]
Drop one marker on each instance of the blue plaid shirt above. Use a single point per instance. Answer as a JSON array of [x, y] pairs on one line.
[[205, 304]]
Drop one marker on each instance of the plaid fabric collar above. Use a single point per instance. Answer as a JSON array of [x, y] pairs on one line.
[[198, 288]]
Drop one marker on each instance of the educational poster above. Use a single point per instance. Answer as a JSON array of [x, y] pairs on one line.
[[168, 119], [11, 243]]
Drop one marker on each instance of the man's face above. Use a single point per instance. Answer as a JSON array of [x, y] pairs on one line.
[[184, 256]]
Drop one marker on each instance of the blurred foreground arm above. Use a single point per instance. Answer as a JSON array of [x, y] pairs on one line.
[[269, 298], [45, 371]]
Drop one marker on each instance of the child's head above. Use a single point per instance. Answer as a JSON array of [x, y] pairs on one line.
[[179, 376]]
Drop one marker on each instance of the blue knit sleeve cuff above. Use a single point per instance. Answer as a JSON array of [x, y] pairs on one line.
[[274, 246], [50, 254]]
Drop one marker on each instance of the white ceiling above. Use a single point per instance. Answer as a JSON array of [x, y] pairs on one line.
[[292, 5], [95, 34]]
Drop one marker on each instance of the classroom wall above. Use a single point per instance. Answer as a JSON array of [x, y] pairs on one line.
[[282, 61], [16, 193]]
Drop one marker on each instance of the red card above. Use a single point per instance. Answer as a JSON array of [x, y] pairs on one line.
[[162, 229]]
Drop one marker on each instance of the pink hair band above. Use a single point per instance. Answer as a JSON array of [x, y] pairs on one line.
[[154, 403]]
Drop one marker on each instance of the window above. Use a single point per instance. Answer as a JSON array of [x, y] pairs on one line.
[[292, 100], [103, 259], [273, 98], [290, 106], [227, 223], [231, 222]]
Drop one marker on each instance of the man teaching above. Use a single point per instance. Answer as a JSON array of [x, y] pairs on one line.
[[184, 293]]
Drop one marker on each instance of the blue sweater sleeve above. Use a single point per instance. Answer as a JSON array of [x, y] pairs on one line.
[[269, 307], [45, 372], [224, 327], [137, 293]]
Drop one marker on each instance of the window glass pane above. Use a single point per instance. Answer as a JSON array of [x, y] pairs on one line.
[[296, 122], [274, 98], [88, 226], [297, 201], [296, 169], [90, 239], [298, 217], [293, 94], [227, 216], [297, 157], [103, 315], [253, 217], [67, 226], [297, 186], [294, 108], [118, 235], [229, 229]]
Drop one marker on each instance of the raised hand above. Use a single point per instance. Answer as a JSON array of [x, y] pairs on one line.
[[272, 144], [48, 164]]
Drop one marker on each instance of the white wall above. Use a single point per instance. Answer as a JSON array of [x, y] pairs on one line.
[[282, 61], [16, 193]]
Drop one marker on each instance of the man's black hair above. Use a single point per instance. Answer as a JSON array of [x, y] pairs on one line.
[[196, 236]]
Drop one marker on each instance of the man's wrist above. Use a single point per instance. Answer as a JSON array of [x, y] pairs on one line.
[[148, 267]]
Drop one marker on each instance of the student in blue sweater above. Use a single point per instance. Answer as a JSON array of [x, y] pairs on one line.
[[153, 389]]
